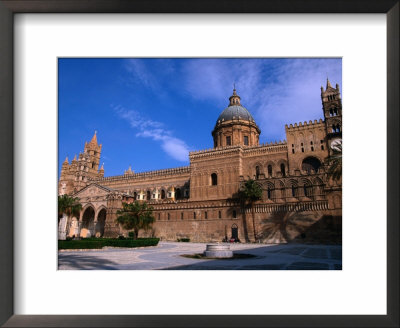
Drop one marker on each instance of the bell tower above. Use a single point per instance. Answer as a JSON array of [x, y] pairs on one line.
[[332, 107], [93, 150]]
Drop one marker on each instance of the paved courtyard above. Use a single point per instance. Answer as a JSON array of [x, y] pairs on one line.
[[167, 256]]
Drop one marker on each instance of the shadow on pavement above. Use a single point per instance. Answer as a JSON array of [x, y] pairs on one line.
[[84, 262], [277, 257]]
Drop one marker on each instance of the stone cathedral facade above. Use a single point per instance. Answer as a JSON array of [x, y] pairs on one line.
[[299, 202]]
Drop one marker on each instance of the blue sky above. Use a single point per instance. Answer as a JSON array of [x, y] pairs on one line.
[[149, 113]]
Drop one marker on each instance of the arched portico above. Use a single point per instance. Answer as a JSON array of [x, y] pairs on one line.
[[100, 222], [87, 228]]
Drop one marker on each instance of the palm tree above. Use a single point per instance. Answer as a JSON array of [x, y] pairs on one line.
[[135, 216], [335, 162], [68, 206], [249, 193]]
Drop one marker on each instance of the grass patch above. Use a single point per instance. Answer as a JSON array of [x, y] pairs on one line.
[[201, 256], [98, 243]]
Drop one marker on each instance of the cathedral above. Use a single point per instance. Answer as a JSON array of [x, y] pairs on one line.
[[300, 200]]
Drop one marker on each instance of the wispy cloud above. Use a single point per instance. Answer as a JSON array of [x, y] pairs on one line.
[[147, 128]]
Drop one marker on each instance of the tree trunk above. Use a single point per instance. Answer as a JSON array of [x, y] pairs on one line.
[[136, 233]]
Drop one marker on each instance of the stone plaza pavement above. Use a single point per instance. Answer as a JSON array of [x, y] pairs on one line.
[[167, 256]]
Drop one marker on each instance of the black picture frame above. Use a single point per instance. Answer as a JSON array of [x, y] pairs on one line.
[[10, 7]]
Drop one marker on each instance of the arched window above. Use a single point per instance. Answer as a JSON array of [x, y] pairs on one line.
[[182, 216], [162, 194], [311, 165], [205, 215], [214, 179], [294, 190], [219, 214], [194, 215], [283, 170], [234, 214], [257, 172], [168, 216], [307, 190], [269, 171], [148, 195], [135, 195], [269, 192]]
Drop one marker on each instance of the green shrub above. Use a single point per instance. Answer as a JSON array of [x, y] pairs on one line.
[[185, 240], [131, 234], [98, 243]]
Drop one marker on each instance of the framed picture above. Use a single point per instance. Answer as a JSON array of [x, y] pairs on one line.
[[190, 299]]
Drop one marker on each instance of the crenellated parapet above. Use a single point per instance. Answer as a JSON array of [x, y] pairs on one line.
[[149, 174], [304, 126], [215, 152]]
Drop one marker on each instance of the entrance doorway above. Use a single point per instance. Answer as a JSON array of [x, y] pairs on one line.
[[234, 231], [87, 229]]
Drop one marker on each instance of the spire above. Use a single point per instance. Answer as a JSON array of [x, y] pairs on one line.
[[74, 160], [94, 139], [66, 160], [102, 167], [328, 84]]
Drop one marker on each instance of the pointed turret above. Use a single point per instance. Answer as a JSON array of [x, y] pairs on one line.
[[328, 84], [101, 171], [94, 139], [74, 160], [66, 161]]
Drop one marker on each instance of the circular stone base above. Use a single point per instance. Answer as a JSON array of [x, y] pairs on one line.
[[218, 251]]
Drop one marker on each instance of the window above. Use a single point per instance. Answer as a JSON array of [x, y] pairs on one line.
[[311, 165], [269, 171], [234, 214], [219, 214], [293, 191], [246, 140], [177, 193], [312, 148], [168, 216], [182, 216], [292, 151], [269, 192], [135, 195], [158, 216], [169, 194], [283, 170], [214, 179], [308, 190], [322, 147], [302, 149], [205, 215], [257, 172], [194, 215], [228, 141], [148, 195], [301, 144], [311, 143], [162, 194]]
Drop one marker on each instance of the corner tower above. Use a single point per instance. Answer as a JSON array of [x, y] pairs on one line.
[[332, 107], [235, 126]]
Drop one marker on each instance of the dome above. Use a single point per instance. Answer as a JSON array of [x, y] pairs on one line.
[[235, 112]]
